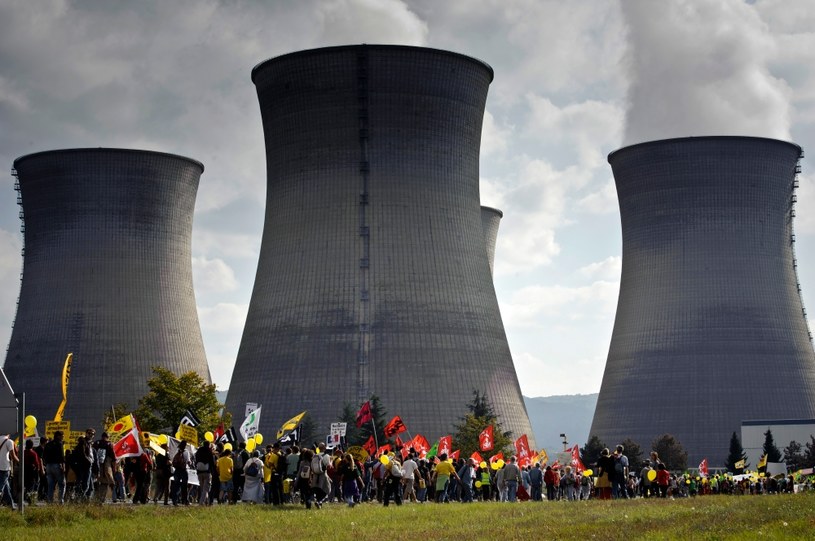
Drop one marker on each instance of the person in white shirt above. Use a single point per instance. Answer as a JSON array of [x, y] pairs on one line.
[[8, 456], [408, 476]]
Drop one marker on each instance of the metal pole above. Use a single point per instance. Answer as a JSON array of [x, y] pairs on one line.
[[21, 431]]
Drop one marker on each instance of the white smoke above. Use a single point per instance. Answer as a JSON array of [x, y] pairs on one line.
[[701, 67]]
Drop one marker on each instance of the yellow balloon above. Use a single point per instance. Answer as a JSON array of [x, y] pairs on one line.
[[258, 438], [250, 445], [494, 466], [478, 484], [209, 436], [483, 464], [652, 474], [227, 446], [162, 439], [30, 421], [501, 463], [384, 460], [587, 473]]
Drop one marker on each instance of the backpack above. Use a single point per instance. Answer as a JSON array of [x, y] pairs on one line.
[[317, 465], [618, 465], [253, 470], [240, 461], [305, 470], [178, 460], [396, 469]]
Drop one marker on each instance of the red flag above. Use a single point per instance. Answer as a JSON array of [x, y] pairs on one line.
[[383, 449], [399, 442], [218, 432], [364, 415], [420, 444], [556, 465], [395, 426], [577, 464], [445, 446], [370, 446], [129, 445], [405, 452], [478, 459], [485, 440], [496, 458], [455, 454], [703, 468], [523, 452]]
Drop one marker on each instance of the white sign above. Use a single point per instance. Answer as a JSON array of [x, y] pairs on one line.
[[250, 407], [338, 428]]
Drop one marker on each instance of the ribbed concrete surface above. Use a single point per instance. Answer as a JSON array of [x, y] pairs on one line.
[[107, 276], [373, 274], [709, 328]]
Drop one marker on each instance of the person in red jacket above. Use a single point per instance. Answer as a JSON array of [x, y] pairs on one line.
[[663, 480], [550, 480], [33, 469]]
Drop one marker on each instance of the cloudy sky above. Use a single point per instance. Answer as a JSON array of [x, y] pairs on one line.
[[574, 80]]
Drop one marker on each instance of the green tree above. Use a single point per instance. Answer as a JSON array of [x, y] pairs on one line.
[[590, 453], [735, 455], [379, 413], [170, 396], [634, 453], [809, 453], [481, 415], [772, 452], [352, 433], [794, 456], [116, 412], [671, 452]]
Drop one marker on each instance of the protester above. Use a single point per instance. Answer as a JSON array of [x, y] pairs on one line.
[[181, 461], [8, 457], [253, 489], [33, 469], [106, 461], [605, 469], [54, 458]]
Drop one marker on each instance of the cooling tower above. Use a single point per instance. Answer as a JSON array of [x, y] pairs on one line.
[[710, 327], [107, 276], [373, 275], [490, 220]]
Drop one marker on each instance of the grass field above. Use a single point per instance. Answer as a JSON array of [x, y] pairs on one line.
[[712, 517]]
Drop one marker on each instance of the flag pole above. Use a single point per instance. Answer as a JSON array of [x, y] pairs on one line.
[[373, 424]]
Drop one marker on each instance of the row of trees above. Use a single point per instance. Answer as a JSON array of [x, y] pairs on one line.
[[795, 455]]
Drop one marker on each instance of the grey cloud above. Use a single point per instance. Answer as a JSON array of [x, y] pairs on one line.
[[700, 68]]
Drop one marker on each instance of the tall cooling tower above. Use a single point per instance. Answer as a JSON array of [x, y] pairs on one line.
[[107, 276], [710, 327], [490, 220], [373, 275]]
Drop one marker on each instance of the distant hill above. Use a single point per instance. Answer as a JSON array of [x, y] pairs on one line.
[[565, 414]]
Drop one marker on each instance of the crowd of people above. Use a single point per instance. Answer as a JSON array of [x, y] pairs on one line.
[[214, 473]]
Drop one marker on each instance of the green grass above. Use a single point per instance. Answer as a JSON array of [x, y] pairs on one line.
[[712, 517]]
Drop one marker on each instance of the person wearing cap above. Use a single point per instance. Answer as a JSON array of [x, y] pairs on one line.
[[54, 458]]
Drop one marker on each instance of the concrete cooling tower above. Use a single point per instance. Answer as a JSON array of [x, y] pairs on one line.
[[374, 275], [710, 327], [107, 276], [490, 220]]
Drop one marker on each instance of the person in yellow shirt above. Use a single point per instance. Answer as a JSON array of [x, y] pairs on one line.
[[442, 473], [225, 466], [274, 470]]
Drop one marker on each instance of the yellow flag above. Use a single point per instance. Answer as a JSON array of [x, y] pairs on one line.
[[66, 375], [739, 465], [290, 425], [763, 461], [118, 429], [542, 457]]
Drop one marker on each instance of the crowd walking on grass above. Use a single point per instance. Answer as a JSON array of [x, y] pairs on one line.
[[215, 474]]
